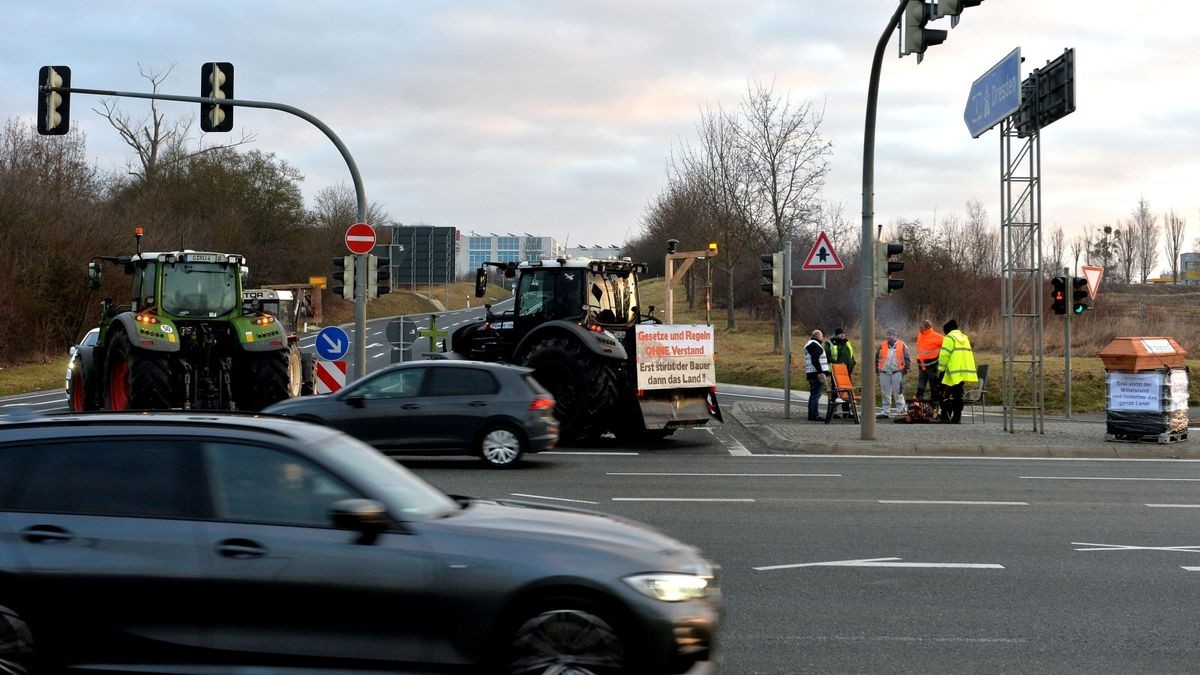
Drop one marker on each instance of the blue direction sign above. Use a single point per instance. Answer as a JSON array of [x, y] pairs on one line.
[[994, 96], [332, 343]]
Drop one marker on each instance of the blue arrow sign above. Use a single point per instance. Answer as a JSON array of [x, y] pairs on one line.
[[994, 96], [332, 343]]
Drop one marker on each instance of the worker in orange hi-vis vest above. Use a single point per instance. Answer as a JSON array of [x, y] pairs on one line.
[[929, 348], [891, 362]]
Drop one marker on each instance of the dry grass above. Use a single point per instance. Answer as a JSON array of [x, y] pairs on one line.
[[33, 377]]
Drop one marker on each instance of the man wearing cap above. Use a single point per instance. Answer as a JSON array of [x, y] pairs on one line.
[[957, 365], [929, 348], [839, 350], [891, 362], [816, 369]]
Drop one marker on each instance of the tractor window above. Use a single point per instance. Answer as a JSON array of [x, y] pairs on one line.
[[199, 289], [613, 297], [552, 293]]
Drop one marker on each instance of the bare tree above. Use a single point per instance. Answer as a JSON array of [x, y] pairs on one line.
[[1174, 226], [1057, 242], [154, 141], [1125, 244], [1146, 235], [1079, 248], [982, 242]]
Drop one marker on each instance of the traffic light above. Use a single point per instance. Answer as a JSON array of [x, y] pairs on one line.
[[377, 276], [917, 38], [885, 267], [773, 270], [1079, 294], [343, 273], [54, 107], [953, 8], [216, 81], [1058, 295]]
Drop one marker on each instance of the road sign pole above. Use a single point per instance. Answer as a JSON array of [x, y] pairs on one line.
[[787, 329], [1067, 355]]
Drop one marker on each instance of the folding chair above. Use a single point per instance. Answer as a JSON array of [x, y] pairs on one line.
[[976, 394], [843, 388]]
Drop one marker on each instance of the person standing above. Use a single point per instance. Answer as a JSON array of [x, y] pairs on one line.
[[839, 350], [816, 367], [957, 365], [891, 363], [929, 348]]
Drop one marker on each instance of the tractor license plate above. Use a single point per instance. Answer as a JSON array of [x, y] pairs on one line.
[[201, 258]]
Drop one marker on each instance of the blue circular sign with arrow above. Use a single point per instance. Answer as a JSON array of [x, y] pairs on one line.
[[332, 343]]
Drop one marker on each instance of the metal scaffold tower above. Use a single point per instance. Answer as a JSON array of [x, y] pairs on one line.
[[1021, 275]]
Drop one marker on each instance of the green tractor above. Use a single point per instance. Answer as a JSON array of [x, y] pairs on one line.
[[184, 341]]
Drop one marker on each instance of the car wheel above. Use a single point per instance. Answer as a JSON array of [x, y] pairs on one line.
[[500, 446], [16, 643], [570, 638]]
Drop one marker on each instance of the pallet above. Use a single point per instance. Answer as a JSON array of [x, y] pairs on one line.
[[1163, 438]]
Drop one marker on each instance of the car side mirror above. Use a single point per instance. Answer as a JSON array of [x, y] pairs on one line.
[[365, 516], [354, 400]]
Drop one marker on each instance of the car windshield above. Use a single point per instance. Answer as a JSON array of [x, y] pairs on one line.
[[613, 297], [403, 492], [199, 289]]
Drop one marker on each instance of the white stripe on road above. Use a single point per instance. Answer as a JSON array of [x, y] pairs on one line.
[[951, 502], [556, 499], [758, 475], [1178, 480], [1192, 569], [1174, 506], [886, 562], [584, 452], [677, 499], [375, 356]]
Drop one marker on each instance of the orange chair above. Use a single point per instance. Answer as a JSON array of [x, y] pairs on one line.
[[843, 388]]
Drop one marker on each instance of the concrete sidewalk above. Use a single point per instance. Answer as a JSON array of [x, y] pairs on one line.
[[1081, 436]]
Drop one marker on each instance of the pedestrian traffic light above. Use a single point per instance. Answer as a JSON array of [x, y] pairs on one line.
[[917, 38], [54, 107], [885, 267], [773, 270], [343, 273], [1058, 295], [216, 82], [1079, 294], [377, 276]]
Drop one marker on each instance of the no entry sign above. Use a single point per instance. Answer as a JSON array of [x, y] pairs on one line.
[[360, 238]]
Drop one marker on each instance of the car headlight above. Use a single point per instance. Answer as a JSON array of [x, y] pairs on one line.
[[670, 587]]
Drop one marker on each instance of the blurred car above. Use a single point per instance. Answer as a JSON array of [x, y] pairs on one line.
[[177, 542], [495, 411], [74, 385]]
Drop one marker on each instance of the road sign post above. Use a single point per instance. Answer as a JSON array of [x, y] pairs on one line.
[[995, 95]]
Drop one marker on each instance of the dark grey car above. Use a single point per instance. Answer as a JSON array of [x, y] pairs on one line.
[[167, 542], [495, 411]]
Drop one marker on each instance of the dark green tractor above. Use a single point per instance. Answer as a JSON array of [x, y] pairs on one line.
[[183, 341]]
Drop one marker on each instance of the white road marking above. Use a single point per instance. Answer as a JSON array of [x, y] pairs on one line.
[[1192, 569], [1121, 547], [885, 562], [757, 475], [1174, 506], [374, 344], [947, 501], [375, 356], [734, 446], [1175, 480], [34, 405], [678, 499], [556, 499], [584, 452], [39, 394]]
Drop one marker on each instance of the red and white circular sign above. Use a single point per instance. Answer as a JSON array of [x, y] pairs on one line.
[[360, 238]]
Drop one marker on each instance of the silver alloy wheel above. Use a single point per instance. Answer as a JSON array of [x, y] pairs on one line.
[[500, 446], [566, 642]]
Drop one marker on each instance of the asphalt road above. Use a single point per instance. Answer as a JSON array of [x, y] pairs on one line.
[[843, 564]]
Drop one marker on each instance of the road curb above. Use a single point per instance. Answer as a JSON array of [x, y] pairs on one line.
[[776, 442]]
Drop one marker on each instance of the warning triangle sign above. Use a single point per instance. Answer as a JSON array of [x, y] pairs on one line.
[[822, 256], [1093, 273]]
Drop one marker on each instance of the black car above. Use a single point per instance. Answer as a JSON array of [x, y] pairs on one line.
[[495, 411], [171, 542]]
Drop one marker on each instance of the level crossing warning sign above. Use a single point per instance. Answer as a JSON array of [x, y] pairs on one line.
[[822, 256]]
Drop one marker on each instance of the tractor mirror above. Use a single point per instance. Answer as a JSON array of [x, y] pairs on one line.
[[510, 271], [480, 282], [245, 270], [94, 275]]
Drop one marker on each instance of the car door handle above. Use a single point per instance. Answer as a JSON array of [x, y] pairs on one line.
[[410, 406], [46, 534], [240, 549], [477, 404]]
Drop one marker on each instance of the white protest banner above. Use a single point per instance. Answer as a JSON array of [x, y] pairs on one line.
[[675, 356]]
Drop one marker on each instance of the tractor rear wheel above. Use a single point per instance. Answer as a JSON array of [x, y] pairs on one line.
[[137, 379], [264, 379], [583, 388]]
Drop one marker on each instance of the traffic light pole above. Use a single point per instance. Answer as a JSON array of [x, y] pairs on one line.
[[360, 262], [787, 329], [868, 223], [1067, 356]]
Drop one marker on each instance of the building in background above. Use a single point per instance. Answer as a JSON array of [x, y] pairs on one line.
[[1189, 269], [420, 255], [475, 249]]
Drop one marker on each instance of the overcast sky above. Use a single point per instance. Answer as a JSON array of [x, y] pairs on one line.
[[556, 118]]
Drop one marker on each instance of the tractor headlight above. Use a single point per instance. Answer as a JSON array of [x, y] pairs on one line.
[[670, 587]]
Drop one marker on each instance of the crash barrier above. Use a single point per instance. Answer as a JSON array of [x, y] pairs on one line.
[[1146, 390]]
